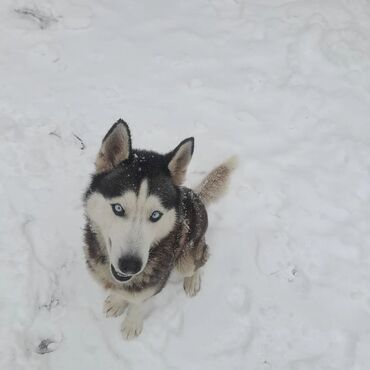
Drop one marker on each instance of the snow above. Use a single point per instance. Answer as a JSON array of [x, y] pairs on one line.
[[283, 84]]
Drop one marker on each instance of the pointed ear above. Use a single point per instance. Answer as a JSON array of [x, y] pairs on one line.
[[179, 160], [115, 147]]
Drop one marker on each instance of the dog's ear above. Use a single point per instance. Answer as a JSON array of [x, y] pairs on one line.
[[179, 160], [115, 147]]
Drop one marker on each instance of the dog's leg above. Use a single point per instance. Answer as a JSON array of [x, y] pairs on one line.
[[132, 325], [185, 265], [192, 280], [114, 305], [189, 265], [192, 284]]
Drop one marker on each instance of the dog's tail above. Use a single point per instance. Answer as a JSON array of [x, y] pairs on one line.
[[214, 185]]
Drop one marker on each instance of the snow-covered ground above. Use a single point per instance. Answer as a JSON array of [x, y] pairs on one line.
[[283, 84]]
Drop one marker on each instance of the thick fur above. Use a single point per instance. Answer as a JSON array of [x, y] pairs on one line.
[[151, 181], [184, 243], [214, 185]]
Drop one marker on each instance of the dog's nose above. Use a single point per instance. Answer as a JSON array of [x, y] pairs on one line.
[[130, 265]]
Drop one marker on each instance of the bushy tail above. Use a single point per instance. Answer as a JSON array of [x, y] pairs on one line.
[[214, 185]]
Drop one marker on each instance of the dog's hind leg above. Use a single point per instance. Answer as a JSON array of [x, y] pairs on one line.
[[132, 325], [192, 284], [114, 305], [189, 264]]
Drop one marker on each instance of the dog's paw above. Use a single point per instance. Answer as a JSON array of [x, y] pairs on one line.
[[192, 284], [114, 306], [131, 327]]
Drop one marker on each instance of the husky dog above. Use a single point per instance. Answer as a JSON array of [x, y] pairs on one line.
[[141, 223]]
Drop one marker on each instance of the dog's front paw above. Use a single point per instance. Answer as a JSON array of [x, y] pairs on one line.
[[131, 327], [192, 284], [114, 306]]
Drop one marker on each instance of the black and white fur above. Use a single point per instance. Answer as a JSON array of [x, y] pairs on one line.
[[141, 223]]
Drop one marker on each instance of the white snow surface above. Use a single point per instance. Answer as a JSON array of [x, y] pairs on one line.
[[285, 85]]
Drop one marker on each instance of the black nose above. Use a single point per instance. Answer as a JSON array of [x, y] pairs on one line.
[[130, 265]]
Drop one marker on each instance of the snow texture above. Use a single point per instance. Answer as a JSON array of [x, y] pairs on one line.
[[283, 84]]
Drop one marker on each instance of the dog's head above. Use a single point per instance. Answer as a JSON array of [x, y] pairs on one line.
[[133, 198]]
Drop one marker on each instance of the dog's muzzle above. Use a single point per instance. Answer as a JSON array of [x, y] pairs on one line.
[[118, 275]]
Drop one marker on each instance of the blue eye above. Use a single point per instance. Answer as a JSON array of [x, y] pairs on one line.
[[118, 209], [155, 216]]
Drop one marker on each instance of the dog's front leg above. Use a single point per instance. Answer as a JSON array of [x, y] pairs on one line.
[[114, 305], [132, 325]]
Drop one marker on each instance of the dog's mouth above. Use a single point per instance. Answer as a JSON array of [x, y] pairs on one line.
[[119, 276]]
